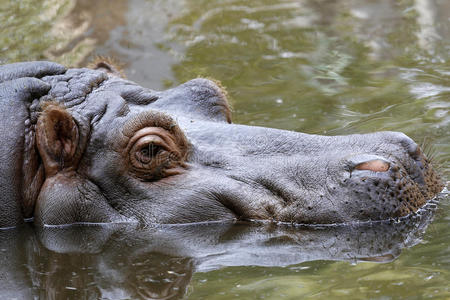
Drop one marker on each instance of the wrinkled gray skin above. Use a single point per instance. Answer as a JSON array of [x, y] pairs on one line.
[[72, 162]]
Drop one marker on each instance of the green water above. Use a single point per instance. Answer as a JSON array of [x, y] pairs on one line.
[[323, 66]]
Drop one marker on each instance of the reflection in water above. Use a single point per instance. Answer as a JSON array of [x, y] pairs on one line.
[[318, 66], [116, 262], [85, 25], [65, 31], [427, 35]]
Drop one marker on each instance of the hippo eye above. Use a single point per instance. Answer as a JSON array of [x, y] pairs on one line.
[[146, 149], [148, 152], [154, 153]]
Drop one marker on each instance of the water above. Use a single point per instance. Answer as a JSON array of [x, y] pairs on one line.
[[327, 67]]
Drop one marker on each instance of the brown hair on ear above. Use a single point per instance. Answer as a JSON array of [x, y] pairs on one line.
[[57, 138], [107, 64], [226, 104]]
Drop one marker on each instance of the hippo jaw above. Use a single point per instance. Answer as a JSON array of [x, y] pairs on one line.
[[128, 154]]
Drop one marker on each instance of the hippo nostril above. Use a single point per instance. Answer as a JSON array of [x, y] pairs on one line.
[[410, 146], [376, 165], [415, 152]]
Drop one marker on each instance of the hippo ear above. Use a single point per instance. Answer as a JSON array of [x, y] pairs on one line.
[[108, 65], [57, 139]]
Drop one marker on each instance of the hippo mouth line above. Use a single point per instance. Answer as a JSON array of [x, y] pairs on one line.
[[240, 215], [429, 206]]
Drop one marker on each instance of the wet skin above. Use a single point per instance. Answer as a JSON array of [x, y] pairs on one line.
[[83, 145]]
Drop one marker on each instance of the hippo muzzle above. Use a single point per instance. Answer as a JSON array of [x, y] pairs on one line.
[[99, 148]]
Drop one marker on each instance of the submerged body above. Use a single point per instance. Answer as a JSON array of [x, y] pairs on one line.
[[83, 145]]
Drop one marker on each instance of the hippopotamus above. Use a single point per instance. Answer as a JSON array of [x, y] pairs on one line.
[[85, 145]]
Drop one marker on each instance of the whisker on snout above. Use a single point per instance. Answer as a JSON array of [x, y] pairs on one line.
[[432, 154]]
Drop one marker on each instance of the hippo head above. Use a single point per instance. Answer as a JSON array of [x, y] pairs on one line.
[[109, 150]]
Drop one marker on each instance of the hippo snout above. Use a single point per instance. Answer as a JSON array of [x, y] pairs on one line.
[[296, 178], [391, 186]]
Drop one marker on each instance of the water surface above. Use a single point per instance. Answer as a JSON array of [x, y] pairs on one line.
[[323, 66]]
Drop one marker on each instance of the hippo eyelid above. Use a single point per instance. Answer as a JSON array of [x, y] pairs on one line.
[[148, 119]]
